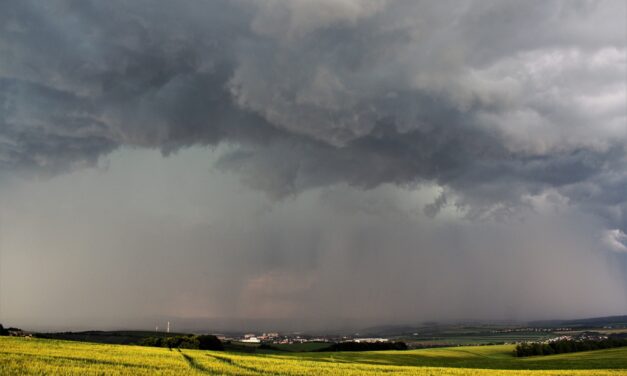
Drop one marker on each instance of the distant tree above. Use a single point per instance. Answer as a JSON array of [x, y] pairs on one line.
[[547, 349], [536, 349], [568, 345], [209, 342]]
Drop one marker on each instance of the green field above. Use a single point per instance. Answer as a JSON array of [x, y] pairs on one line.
[[24, 356], [477, 338], [300, 347]]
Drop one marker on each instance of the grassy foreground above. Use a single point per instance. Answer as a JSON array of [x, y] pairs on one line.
[[22, 356]]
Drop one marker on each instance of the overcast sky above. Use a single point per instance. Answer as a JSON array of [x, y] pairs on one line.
[[311, 161]]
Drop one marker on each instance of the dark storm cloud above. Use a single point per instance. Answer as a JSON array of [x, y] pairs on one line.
[[494, 101]]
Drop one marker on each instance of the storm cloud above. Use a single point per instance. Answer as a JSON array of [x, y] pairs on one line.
[[497, 111]]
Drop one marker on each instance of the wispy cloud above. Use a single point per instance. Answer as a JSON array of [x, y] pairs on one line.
[[616, 240]]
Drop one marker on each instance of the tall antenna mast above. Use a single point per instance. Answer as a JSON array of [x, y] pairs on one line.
[[168, 329]]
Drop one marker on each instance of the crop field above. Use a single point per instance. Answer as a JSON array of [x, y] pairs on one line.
[[476, 339], [23, 356]]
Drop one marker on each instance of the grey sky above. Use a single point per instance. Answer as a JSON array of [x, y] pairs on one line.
[[394, 161]]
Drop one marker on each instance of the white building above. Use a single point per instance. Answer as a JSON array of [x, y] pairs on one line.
[[251, 339], [370, 340]]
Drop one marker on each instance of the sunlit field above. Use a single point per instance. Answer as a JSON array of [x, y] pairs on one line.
[[23, 356]]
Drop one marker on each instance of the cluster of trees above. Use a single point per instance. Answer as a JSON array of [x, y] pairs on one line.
[[365, 346], [202, 342], [567, 346], [5, 331]]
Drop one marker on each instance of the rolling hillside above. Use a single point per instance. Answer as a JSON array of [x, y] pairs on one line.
[[19, 356]]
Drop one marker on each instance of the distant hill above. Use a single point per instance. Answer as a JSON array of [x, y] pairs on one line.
[[594, 322], [433, 328], [389, 330]]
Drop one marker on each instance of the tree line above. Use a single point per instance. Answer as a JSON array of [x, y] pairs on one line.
[[567, 346], [201, 342], [365, 346]]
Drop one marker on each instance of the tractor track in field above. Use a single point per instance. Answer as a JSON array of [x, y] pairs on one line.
[[194, 364], [233, 363]]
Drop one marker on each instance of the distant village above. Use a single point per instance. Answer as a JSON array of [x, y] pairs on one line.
[[531, 329], [286, 339]]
